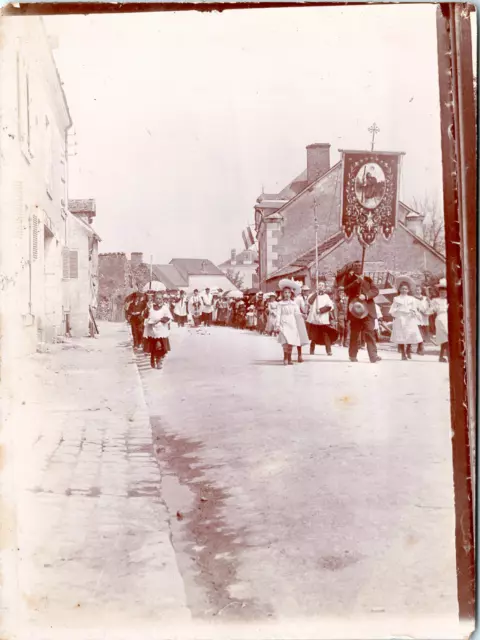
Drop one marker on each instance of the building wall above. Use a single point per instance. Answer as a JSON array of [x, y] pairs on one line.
[[297, 231], [114, 283], [34, 119], [281, 242], [81, 284], [247, 271], [401, 254]]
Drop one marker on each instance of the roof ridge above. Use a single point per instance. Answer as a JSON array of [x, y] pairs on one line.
[[309, 186], [422, 241]]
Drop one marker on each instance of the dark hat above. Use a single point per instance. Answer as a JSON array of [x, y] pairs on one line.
[[358, 309]]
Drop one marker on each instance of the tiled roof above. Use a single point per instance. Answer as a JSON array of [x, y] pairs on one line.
[[304, 260], [297, 185], [196, 267], [169, 275], [290, 269]]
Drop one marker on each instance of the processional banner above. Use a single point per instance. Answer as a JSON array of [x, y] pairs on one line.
[[371, 181]]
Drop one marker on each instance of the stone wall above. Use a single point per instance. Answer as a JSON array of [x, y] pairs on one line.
[[114, 284]]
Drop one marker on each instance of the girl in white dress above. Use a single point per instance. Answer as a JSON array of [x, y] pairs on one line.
[[405, 331], [289, 322], [272, 308], [439, 307]]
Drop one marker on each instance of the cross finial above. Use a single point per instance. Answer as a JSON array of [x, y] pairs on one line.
[[373, 130]]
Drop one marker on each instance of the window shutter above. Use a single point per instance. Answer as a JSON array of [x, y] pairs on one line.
[[65, 264], [35, 237], [73, 264]]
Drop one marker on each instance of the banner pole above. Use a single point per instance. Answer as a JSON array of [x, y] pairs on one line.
[[364, 248]]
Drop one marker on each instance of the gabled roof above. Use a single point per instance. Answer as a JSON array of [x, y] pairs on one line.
[[304, 260], [196, 267], [170, 276], [421, 241], [411, 213], [297, 185], [335, 167], [87, 228]]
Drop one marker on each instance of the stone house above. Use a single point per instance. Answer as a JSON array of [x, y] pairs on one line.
[[34, 121], [285, 228], [80, 268], [115, 282], [245, 264]]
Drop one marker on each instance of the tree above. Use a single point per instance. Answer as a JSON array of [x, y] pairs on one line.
[[433, 223], [235, 278]]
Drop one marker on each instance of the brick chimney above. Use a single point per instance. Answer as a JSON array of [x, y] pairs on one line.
[[233, 256], [136, 259], [318, 160]]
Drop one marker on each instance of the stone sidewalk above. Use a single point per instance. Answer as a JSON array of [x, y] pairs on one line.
[[83, 489]]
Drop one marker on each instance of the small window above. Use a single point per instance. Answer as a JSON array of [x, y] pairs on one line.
[[73, 260]]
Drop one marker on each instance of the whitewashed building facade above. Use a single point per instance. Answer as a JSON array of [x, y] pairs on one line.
[[35, 224]]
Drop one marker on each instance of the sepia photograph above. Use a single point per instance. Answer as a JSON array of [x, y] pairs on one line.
[[238, 263]]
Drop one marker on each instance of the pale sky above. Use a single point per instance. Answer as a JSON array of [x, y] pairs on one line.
[[180, 118]]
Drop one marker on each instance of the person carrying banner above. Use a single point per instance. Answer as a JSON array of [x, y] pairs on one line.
[[361, 292]]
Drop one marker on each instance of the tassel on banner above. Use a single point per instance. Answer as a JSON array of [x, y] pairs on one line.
[[371, 181]]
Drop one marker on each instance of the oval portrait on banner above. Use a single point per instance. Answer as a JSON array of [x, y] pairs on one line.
[[370, 185]]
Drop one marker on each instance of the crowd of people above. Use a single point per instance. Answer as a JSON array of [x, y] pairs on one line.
[[346, 315]]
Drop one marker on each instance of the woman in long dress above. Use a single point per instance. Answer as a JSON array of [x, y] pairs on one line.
[[290, 323], [157, 326], [423, 308], [405, 331], [439, 307], [222, 311]]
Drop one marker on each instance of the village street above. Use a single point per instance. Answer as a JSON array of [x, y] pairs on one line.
[[227, 487]]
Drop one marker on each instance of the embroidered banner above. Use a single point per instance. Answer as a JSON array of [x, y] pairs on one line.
[[370, 194]]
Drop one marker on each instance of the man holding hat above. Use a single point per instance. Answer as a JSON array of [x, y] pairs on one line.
[[361, 292]]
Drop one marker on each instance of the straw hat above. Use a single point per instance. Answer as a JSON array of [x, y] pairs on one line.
[[358, 309], [399, 280], [287, 283]]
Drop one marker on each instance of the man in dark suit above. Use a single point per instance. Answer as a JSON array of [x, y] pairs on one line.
[[358, 287]]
